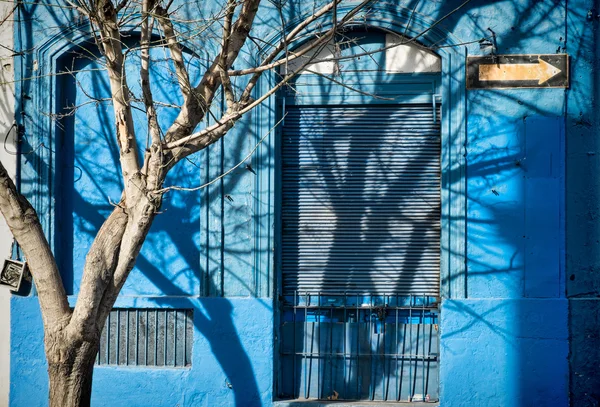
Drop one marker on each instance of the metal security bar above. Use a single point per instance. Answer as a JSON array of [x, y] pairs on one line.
[[359, 347], [147, 337]]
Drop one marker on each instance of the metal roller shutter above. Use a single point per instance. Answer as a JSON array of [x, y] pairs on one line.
[[361, 199]]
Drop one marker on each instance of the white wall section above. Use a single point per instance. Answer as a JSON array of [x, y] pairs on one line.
[[407, 58], [399, 58]]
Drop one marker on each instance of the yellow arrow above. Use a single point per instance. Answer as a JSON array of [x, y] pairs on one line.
[[540, 71]]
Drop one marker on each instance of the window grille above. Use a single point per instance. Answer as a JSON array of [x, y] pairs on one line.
[[359, 347], [147, 337]]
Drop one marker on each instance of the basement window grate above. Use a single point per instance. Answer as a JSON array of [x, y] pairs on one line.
[[147, 337]]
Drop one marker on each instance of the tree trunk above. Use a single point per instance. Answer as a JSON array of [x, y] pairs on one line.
[[70, 369]]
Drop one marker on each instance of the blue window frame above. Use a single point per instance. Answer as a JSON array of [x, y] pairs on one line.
[[351, 326]]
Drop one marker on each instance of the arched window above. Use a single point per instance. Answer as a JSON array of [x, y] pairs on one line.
[[360, 229]]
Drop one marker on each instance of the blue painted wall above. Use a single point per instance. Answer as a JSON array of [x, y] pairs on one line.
[[520, 247], [583, 203], [231, 362]]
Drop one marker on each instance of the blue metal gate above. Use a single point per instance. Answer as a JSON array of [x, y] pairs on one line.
[[359, 347]]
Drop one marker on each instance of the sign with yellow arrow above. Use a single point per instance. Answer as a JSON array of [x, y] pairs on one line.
[[518, 71]]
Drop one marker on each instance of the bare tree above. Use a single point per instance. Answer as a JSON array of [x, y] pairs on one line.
[[72, 335]]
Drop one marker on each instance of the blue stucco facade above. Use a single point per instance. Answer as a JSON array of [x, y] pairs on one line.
[[520, 248]]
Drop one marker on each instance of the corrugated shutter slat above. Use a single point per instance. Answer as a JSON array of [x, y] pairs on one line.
[[361, 199]]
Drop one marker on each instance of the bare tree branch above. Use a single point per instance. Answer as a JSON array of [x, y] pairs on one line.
[[100, 264], [146, 29], [223, 63], [25, 226], [131, 243], [229, 171], [298, 29], [105, 17], [166, 24], [194, 111]]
